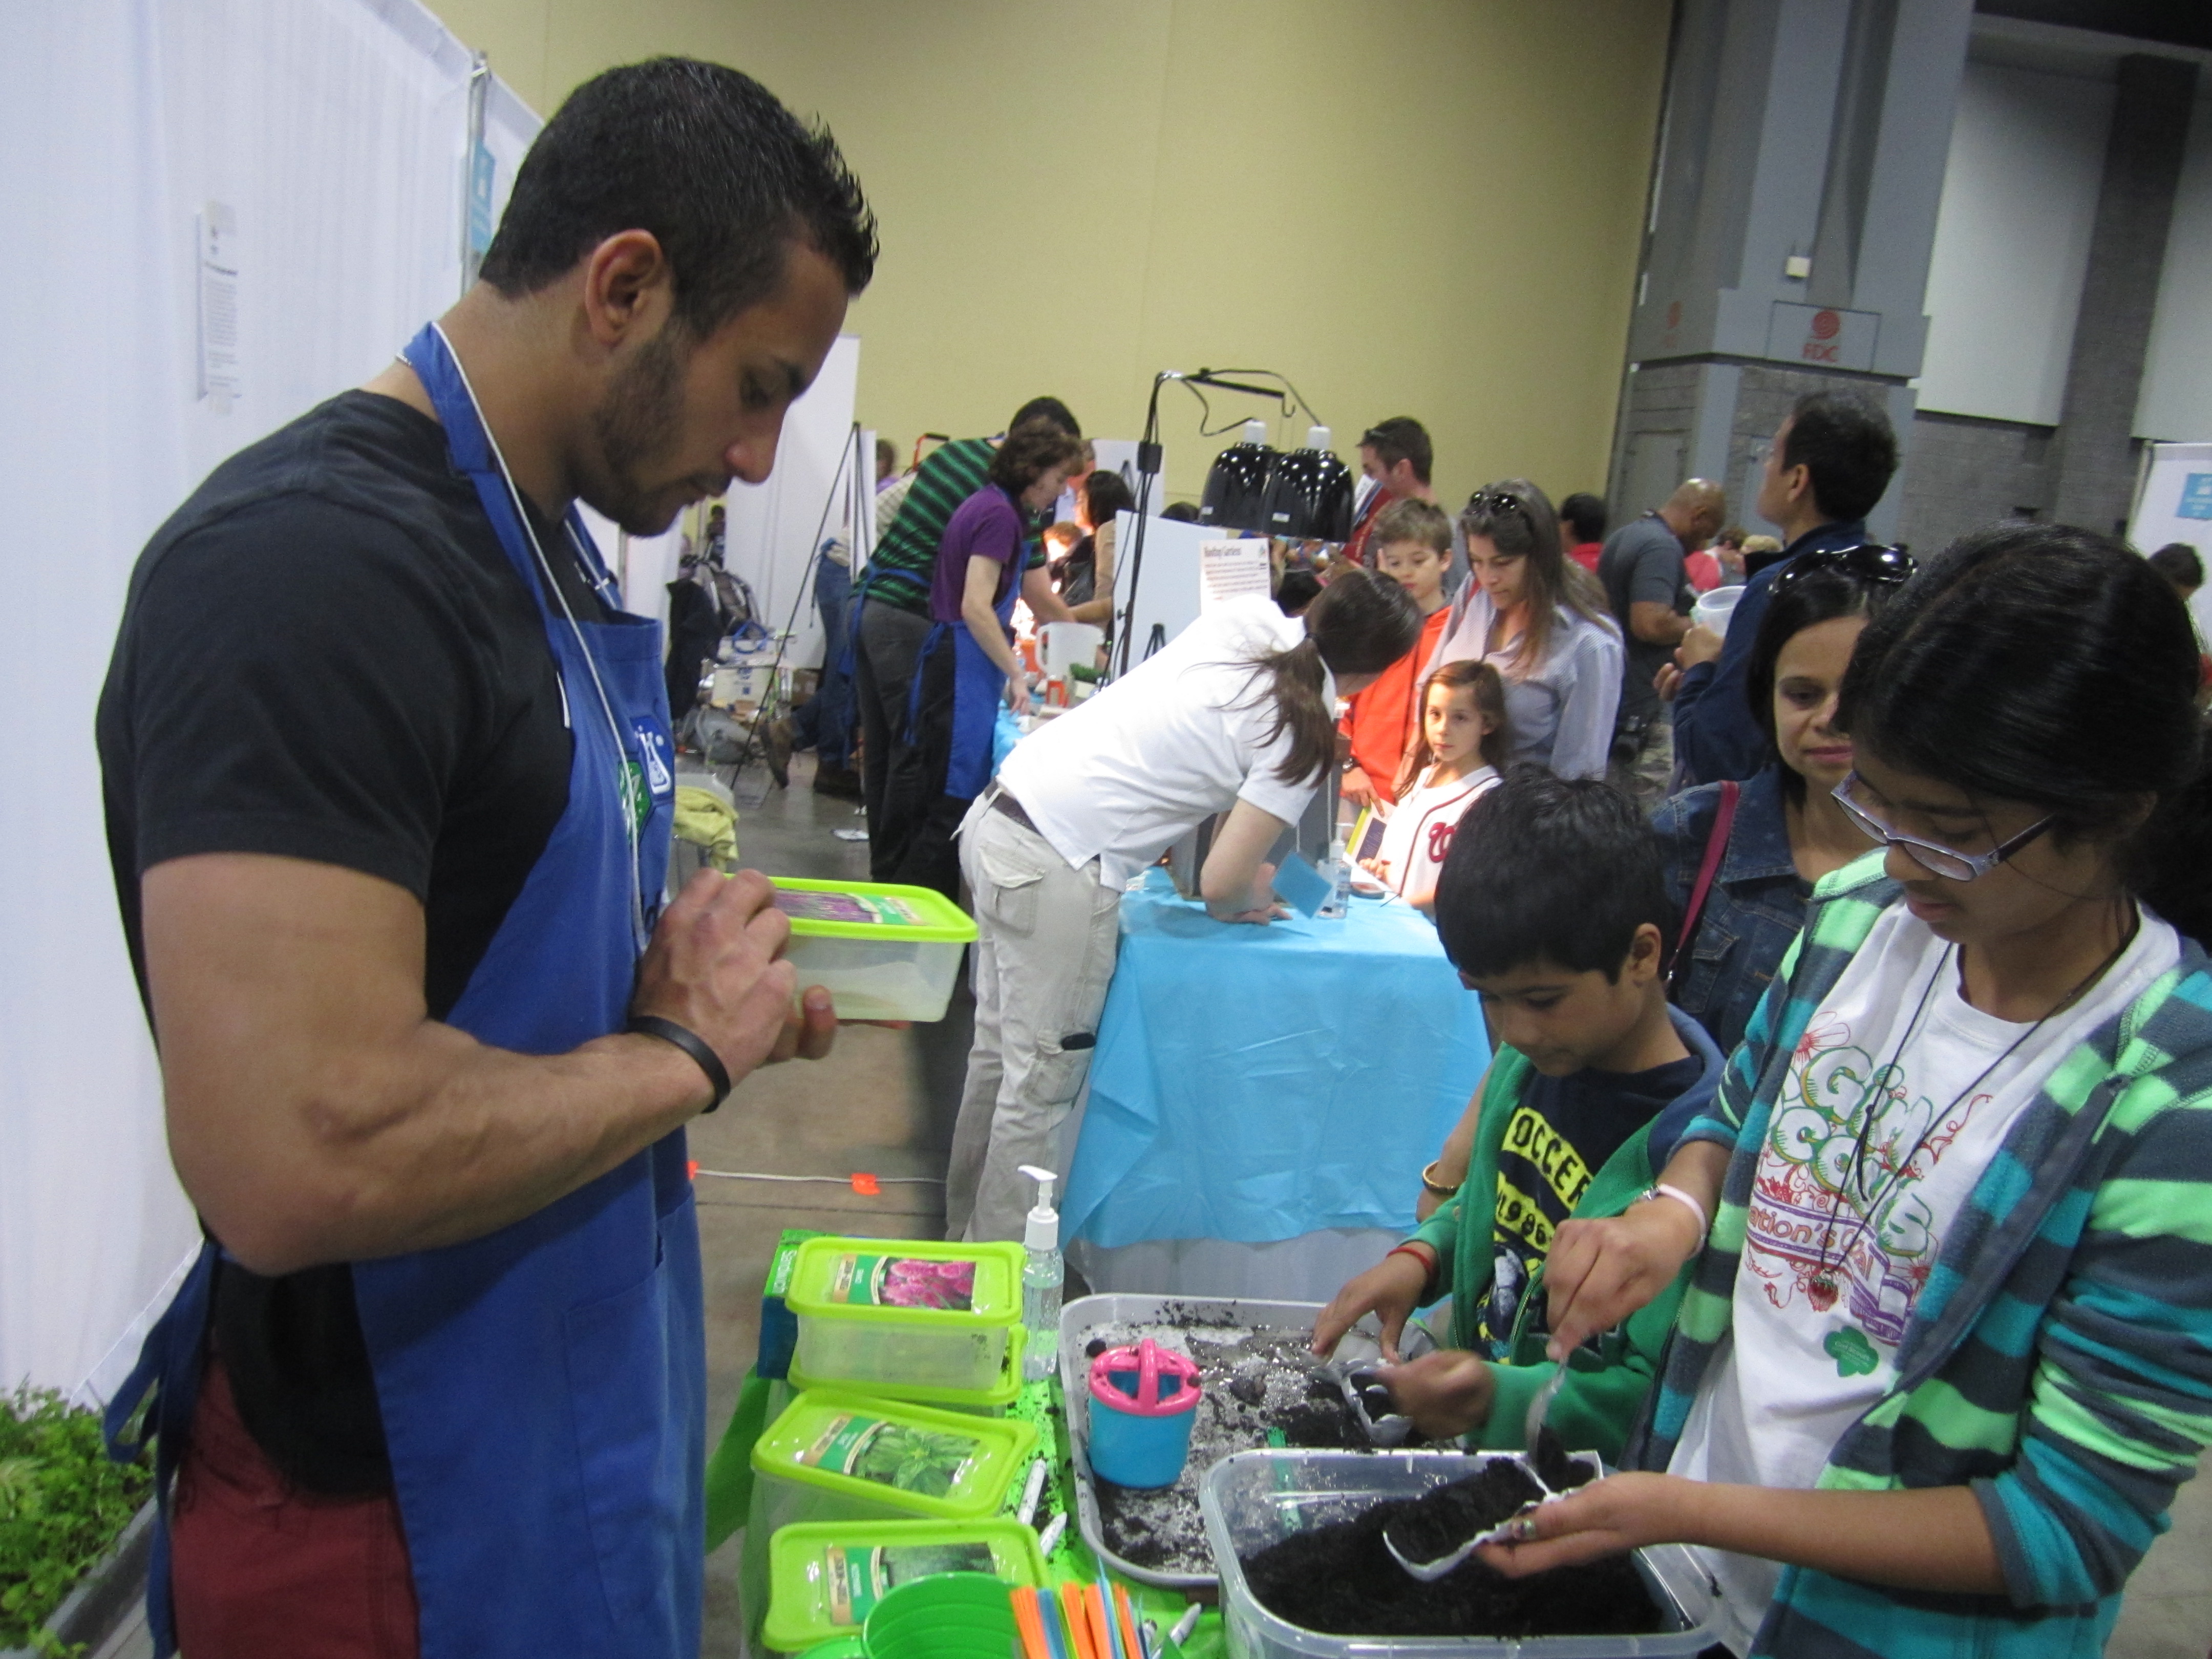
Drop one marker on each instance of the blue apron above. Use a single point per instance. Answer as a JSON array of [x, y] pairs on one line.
[[979, 691], [542, 1387]]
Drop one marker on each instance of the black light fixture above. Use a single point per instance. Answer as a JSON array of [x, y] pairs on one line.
[[1236, 487], [1309, 493]]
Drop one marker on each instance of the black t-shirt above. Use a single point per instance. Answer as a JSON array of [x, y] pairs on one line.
[[1561, 1133], [325, 654]]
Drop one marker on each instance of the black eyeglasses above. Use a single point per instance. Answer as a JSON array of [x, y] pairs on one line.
[[1869, 562]]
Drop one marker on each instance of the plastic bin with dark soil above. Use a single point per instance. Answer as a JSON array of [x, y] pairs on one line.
[[1261, 1387], [1340, 1579]]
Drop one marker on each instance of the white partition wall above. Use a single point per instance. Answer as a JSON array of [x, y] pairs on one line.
[[325, 139]]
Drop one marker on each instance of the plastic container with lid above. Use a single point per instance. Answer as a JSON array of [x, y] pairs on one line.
[[835, 1456], [905, 1313], [1256, 1499], [982, 1403], [826, 1578], [881, 952]]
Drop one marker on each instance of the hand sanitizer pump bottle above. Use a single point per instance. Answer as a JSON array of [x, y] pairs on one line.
[[1340, 881], [1043, 1273]]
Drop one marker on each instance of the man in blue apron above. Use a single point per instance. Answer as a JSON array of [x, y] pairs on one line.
[[388, 782]]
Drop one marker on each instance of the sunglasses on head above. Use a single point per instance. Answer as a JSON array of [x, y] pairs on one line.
[[1869, 562], [1494, 501]]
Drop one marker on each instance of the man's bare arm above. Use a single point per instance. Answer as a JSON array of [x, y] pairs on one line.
[[316, 1113]]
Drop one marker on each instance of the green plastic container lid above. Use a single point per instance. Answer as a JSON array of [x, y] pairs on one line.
[[957, 1615], [993, 1400], [826, 1576], [845, 1647], [940, 1465], [924, 1283], [872, 910]]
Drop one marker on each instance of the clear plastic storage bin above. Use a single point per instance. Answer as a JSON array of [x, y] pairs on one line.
[[827, 1579], [1259, 1497], [882, 952], [845, 1457], [909, 1313]]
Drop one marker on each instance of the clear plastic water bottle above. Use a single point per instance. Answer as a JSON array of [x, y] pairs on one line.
[[1339, 879], [1044, 1271]]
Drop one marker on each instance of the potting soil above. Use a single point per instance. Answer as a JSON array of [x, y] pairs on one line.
[[1340, 1579]]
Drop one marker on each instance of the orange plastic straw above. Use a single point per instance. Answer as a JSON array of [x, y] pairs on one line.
[[1094, 1607], [1078, 1621], [1030, 1623], [1131, 1644]]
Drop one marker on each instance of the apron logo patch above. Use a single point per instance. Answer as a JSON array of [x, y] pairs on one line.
[[660, 757]]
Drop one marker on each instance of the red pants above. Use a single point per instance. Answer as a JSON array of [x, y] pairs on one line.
[[263, 1571]]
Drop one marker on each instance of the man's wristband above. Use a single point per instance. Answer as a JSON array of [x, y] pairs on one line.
[[1428, 1179], [718, 1075]]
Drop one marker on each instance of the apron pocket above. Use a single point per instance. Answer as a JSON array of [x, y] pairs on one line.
[[627, 1448]]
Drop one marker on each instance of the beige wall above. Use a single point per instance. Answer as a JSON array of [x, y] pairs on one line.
[[1423, 207]]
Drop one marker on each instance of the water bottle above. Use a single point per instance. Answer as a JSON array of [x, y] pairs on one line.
[[1340, 881], [1044, 1271]]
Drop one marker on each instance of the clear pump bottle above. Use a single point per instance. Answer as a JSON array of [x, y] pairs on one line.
[[1044, 1271], [1340, 881]]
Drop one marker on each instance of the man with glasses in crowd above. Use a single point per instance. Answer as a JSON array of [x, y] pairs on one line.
[[1831, 460]]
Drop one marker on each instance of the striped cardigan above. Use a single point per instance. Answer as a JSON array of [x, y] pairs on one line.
[[2059, 1362]]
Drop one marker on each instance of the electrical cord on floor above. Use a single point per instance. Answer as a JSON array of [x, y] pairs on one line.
[[860, 1181]]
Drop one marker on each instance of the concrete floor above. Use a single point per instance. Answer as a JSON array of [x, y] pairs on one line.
[[884, 1102]]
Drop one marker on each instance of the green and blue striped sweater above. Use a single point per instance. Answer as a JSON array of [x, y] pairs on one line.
[[2059, 1362]]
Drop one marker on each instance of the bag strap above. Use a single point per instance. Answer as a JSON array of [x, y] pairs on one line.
[[1716, 849]]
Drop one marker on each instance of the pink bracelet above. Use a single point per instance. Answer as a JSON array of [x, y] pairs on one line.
[[1661, 1189]]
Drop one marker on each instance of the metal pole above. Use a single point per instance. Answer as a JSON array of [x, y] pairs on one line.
[[476, 175]]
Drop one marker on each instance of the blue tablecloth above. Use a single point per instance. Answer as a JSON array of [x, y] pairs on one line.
[[1257, 1084]]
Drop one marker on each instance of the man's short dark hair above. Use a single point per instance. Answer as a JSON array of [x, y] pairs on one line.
[[1551, 870], [724, 177], [1401, 438], [1847, 448], [2178, 563], [1046, 409], [1584, 514]]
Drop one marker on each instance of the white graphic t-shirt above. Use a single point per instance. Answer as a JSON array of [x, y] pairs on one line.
[[1418, 831], [1848, 1216]]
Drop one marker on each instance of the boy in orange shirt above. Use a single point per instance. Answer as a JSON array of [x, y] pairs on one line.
[[1412, 545]]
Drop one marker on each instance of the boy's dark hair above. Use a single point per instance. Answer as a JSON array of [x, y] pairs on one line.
[[1299, 590], [1401, 438], [1847, 448], [1584, 514], [724, 177], [2178, 563], [1030, 451], [1046, 409], [1561, 871], [1413, 520], [1182, 512]]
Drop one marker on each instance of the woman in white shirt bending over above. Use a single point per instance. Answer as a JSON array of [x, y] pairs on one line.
[[1550, 638], [1236, 715], [1455, 760]]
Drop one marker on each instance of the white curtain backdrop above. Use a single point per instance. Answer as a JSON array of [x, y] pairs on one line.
[[333, 132]]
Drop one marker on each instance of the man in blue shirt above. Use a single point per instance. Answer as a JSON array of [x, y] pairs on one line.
[[1829, 461]]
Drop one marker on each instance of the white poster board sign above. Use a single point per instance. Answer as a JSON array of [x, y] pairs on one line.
[[1154, 605], [1236, 569], [2175, 505]]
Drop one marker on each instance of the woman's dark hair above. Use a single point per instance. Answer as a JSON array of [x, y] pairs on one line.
[[1489, 689], [1551, 870], [1105, 494], [724, 177], [2178, 563], [1807, 599], [1299, 590], [1847, 448], [1360, 624], [1584, 514], [1030, 451], [1516, 519], [2051, 665]]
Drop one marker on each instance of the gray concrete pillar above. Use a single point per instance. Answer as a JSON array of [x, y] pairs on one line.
[[1794, 197], [2096, 449]]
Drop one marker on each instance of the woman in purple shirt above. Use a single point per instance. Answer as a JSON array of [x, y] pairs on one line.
[[968, 665]]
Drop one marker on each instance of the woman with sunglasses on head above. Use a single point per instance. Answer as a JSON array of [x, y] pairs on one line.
[[1543, 624], [1741, 859], [1948, 1349]]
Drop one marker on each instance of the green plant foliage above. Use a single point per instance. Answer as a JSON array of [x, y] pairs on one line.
[[915, 1460], [62, 1503]]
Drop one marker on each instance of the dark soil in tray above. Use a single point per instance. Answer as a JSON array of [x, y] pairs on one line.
[[1340, 1579], [1554, 1468]]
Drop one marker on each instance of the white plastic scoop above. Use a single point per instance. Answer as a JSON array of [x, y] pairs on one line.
[[1429, 1571]]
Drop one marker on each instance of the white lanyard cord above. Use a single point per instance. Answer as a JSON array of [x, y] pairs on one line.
[[606, 705]]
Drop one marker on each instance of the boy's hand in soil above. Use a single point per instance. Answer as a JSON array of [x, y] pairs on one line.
[[1390, 1290], [1447, 1393]]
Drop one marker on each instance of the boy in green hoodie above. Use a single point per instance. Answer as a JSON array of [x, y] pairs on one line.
[[1552, 907]]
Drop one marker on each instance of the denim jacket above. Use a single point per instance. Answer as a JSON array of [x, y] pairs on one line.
[[1755, 907]]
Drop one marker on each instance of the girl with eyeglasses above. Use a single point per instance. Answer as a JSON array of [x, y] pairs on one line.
[[1741, 859], [1542, 623], [1947, 1350]]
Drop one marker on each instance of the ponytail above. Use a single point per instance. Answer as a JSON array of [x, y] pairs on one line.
[[1360, 623]]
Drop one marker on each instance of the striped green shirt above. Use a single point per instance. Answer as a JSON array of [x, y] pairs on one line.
[[2059, 1362]]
